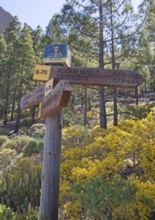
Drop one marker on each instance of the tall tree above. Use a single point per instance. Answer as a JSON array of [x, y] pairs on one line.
[[2, 81], [38, 43], [26, 61], [79, 26], [118, 27], [105, 32], [53, 31], [38, 38], [146, 50], [113, 62], [11, 36]]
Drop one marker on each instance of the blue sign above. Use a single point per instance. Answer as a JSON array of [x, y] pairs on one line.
[[55, 50], [57, 53]]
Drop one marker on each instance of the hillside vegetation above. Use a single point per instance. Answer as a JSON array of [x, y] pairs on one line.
[[105, 174], [108, 145]]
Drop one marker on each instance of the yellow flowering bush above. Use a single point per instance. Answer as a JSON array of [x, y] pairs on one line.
[[126, 151]]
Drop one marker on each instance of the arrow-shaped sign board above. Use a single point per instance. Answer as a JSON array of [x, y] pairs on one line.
[[33, 98], [56, 99], [97, 76]]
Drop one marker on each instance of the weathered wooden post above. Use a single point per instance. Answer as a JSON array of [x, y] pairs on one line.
[[51, 167]]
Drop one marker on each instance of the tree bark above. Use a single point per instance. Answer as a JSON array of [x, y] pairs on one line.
[[7, 92], [18, 114], [85, 107], [13, 102], [136, 94], [102, 105], [113, 66]]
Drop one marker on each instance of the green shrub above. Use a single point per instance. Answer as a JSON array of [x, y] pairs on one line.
[[17, 143], [80, 136], [4, 131], [6, 156], [6, 213], [140, 111], [3, 138], [20, 184], [32, 214], [33, 147], [37, 131], [100, 198]]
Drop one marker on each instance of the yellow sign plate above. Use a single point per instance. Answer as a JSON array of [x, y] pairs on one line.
[[41, 73]]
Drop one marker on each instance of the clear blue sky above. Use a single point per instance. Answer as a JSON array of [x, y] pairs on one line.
[[37, 12]]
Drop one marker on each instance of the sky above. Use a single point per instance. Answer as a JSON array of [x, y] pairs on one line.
[[37, 12]]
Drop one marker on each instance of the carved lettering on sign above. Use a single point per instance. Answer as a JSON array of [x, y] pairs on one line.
[[41, 73], [33, 98], [97, 77], [55, 100]]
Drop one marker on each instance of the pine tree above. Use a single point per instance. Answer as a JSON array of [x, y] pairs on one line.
[[26, 62], [11, 36], [101, 31], [84, 36], [146, 52]]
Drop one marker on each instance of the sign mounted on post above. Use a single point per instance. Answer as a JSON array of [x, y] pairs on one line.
[[50, 85], [55, 100], [97, 76], [41, 73], [33, 98], [57, 54]]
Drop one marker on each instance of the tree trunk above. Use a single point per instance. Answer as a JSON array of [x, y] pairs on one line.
[[7, 92], [18, 114], [85, 107], [102, 105], [113, 66], [13, 103], [136, 93], [115, 107]]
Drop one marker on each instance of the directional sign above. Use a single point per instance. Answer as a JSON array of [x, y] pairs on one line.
[[41, 73], [33, 98], [97, 77], [50, 85], [57, 99]]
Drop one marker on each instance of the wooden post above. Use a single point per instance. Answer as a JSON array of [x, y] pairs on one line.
[[51, 167]]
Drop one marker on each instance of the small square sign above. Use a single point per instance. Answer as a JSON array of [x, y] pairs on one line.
[[41, 73]]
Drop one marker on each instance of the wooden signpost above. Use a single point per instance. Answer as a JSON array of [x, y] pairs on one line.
[[51, 108], [97, 77], [33, 98], [55, 100], [49, 199], [53, 97]]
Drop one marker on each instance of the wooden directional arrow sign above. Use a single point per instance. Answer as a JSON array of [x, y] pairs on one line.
[[56, 99], [97, 77], [33, 98]]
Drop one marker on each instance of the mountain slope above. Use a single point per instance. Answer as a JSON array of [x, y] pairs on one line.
[[5, 19]]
